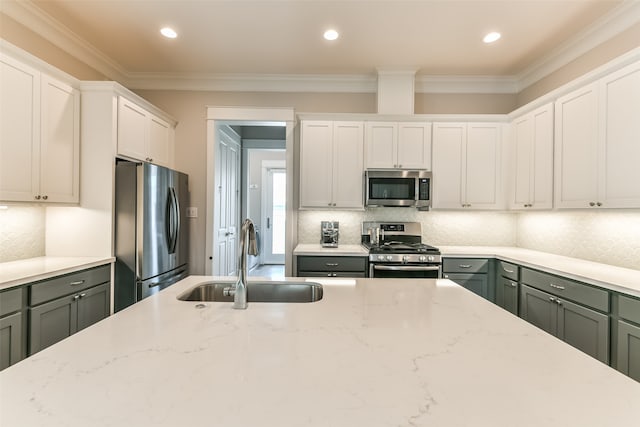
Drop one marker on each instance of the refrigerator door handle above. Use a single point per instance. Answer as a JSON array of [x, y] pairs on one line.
[[175, 220], [177, 223]]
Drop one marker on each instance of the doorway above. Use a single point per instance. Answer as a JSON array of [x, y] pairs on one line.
[[274, 202], [238, 118]]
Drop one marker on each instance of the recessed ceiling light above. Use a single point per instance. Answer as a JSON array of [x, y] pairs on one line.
[[491, 37], [169, 33], [331, 35]]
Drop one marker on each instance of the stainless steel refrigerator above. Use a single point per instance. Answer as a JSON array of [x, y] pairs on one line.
[[151, 230]]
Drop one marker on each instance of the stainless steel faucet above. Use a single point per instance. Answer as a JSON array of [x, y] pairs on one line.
[[239, 290]]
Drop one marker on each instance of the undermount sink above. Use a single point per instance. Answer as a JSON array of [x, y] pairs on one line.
[[257, 292]]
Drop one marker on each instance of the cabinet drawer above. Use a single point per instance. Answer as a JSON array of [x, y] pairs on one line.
[[465, 265], [508, 270], [68, 284], [10, 301], [332, 263], [566, 288], [629, 309]]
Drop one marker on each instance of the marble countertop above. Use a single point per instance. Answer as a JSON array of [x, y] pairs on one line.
[[16, 273], [341, 250], [624, 280], [372, 352]]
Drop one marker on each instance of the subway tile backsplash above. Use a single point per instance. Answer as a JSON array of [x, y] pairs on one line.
[[606, 236]]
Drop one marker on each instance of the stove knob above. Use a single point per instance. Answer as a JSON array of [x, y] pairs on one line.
[[389, 258], [405, 258], [381, 257], [422, 258], [431, 258]]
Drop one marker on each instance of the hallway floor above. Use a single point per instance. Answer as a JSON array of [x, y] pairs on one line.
[[272, 271]]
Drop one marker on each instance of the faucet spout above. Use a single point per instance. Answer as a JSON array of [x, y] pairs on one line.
[[248, 246]]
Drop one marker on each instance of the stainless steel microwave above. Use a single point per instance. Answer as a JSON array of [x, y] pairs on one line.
[[398, 188]]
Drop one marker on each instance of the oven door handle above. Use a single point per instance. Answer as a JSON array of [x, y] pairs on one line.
[[405, 268]]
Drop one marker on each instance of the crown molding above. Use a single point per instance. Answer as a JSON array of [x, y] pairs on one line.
[[620, 19], [29, 15], [315, 83]]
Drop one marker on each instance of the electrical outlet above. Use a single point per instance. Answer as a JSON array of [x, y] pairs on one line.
[[192, 212]]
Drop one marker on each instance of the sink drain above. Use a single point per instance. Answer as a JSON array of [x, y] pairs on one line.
[[201, 305]]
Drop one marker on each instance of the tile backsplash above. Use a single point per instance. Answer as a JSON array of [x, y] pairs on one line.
[[22, 232], [606, 236], [438, 228]]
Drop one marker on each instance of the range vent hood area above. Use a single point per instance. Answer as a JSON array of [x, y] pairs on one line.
[[396, 92]]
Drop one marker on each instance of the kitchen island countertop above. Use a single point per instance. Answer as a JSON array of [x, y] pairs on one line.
[[372, 352]]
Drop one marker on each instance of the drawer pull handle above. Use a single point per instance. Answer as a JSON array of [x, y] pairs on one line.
[[556, 286], [509, 271], [76, 283], [464, 265], [332, 264]]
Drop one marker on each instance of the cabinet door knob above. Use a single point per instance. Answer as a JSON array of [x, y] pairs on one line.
[[76, 297], [513, 285], [37, 197], [599, 204], [45, 197], [592, 203]]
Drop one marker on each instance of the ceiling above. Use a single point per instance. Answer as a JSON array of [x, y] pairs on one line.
[[274, 38]]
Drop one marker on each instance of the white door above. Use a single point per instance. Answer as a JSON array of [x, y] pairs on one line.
[[226, 205], [273, 230]]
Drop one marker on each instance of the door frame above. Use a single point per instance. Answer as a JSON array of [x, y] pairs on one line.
[[217, 116], [267, 166]]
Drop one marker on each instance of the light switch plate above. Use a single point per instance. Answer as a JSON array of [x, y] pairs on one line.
[[192, 212]]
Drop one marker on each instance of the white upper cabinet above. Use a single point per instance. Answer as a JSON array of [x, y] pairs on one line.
[[532, 160], [467, 168], [39, 136], [142, 135], [398, 145], [597, 152], [331, 164], [619, 153]]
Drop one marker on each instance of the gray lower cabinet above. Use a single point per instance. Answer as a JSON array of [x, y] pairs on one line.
[[579, 326], [476, 283], [507, 294], [12, 348], [10, 340], [470, 273], [62, 306], [628, 342], [331, 266], [507, 287], [629, 349]]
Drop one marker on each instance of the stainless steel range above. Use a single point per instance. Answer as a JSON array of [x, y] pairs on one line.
[[396, 251]]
